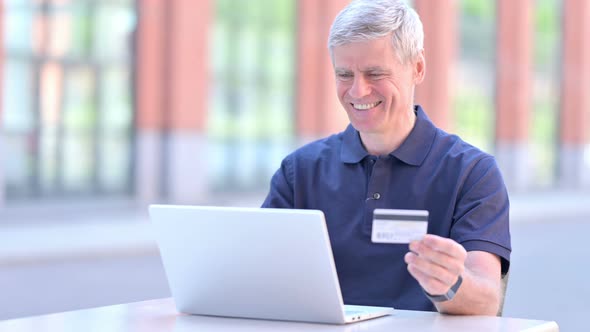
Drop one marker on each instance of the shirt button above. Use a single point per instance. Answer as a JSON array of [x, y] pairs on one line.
[[376, 195]]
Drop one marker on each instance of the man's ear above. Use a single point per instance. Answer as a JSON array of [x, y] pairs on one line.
[[419, 68]]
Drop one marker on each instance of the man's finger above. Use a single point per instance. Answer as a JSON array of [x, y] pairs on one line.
[[431, 270], [453, 264], [444, 245], [429, 284]]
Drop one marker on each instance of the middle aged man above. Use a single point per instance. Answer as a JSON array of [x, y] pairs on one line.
[[392, 156]]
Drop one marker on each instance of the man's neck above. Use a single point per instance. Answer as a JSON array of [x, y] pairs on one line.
[[378, 144]]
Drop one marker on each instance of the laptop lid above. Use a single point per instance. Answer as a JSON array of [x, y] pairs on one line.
[[249, 262]]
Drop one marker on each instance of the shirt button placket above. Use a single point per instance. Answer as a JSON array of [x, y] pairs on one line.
[[376, 187]]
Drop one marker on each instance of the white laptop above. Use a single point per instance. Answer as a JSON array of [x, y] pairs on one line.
[[254, 263]]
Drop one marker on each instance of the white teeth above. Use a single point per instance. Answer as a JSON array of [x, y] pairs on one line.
[[365, 106]]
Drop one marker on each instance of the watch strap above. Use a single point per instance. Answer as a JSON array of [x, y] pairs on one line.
[[449, 295]]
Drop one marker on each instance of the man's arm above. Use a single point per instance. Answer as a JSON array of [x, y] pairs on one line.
[[481, 226], [437, 262], [281, 194]]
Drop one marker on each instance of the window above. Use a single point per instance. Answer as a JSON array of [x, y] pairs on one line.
[[68, 110], [474, 106], [251, 123]]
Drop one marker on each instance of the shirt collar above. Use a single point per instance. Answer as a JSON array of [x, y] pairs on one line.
[[353, 150], [413, 150], [417, 145]]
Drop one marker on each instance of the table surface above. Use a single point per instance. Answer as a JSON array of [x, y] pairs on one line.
[[161, 315]]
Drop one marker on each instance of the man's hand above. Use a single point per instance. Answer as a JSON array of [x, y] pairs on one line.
[[436, 263]]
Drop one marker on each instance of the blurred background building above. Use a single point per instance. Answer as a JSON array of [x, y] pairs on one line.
[[181, 100], [197, 101]]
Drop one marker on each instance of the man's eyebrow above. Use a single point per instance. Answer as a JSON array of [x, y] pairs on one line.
[[375, 69], [342, 70]]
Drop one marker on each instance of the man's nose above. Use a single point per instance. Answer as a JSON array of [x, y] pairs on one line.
[[359, 88]]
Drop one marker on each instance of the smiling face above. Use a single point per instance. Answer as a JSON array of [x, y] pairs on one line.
[[375, 88]]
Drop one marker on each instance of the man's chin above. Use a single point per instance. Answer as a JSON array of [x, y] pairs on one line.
[[361, 127]]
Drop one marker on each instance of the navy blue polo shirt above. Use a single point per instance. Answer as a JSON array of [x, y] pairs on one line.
[[458, 184]]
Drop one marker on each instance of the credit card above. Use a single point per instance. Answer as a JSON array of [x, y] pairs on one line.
[[398, 226]]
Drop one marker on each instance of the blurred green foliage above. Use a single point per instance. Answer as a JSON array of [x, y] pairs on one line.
[[473, 106], [483, 9], [474, 119], [544, 139], [82, 29], [546, 34], [253, 64]]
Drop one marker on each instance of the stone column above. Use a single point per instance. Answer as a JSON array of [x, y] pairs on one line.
[[439, 19], [172, 99], [574, 128], [513, 91], [149, 95], [318, 111], [188, 102]]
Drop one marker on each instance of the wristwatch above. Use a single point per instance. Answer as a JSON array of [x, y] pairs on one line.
[[448, 295]]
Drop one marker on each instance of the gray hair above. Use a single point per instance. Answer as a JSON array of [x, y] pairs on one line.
[[365, 20]]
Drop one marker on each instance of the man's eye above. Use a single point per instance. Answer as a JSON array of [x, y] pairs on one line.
[[344, 76], [375, 75]]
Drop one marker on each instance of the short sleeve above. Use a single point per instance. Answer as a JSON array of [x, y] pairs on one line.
[[281, 193], [481, 218]]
